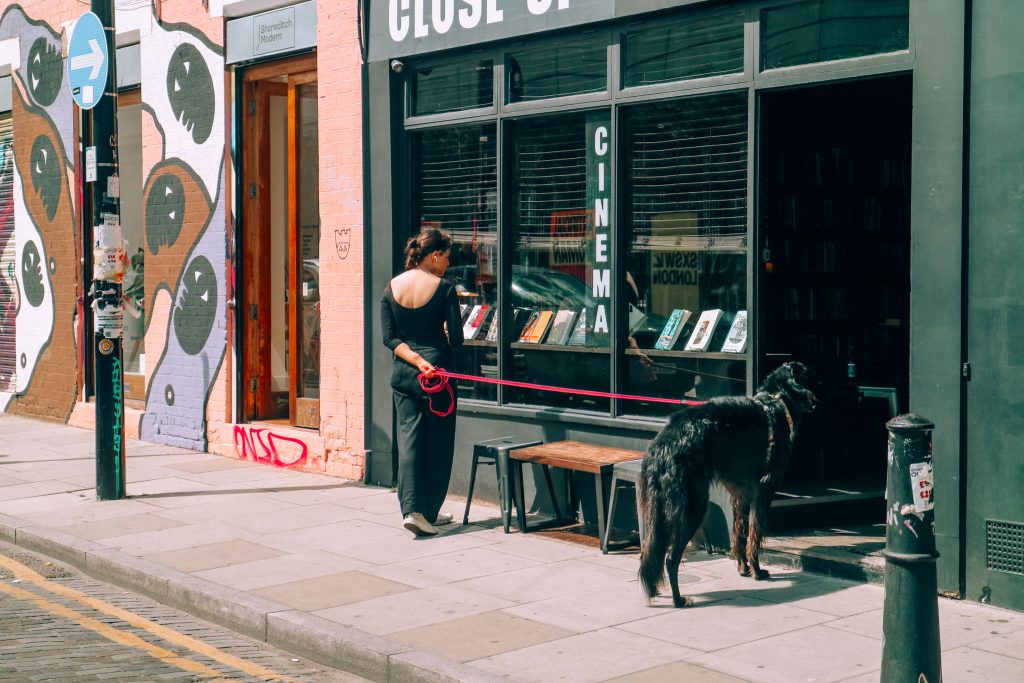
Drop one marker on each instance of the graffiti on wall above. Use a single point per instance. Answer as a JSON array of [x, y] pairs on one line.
[[184, 209], [260, 444], [44, 248]]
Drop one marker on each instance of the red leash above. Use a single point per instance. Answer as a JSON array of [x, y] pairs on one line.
[[441, 376]]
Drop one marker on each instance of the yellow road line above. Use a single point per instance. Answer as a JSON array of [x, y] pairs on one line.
[[170, 635], [111, 633]]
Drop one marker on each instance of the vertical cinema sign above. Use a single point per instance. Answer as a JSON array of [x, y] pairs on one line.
[[599, 192]]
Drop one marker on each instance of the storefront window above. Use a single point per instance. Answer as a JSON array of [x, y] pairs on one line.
[[129, 131], [452, 87], [710, 46], [686, 284], [456, 187], [565, 68], [824, 30], [560, 303]]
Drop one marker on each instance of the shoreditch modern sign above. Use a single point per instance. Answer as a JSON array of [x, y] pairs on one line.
[[406, 27]]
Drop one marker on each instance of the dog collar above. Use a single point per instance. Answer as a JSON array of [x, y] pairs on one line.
[[785, 410]]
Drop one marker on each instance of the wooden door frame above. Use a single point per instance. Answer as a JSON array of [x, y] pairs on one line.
[[255, 242]]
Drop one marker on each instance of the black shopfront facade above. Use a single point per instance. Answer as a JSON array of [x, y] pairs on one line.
[[616, 173]]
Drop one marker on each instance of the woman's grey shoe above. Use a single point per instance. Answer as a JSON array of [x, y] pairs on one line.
[[442, 519], [416, 523]]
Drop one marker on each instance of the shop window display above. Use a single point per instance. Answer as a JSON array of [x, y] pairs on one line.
[[685, 194]]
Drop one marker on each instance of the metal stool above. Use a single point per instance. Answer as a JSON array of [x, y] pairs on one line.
[[495, 452], [622, 473]]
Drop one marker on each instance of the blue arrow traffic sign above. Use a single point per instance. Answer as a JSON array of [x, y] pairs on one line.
[[88, 60]]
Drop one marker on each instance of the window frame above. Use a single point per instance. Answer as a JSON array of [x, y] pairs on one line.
[[615, 98]]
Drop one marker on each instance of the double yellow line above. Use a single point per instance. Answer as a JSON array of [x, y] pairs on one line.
[[127, 639]]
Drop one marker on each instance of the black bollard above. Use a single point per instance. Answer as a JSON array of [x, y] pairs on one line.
[[910, 621]]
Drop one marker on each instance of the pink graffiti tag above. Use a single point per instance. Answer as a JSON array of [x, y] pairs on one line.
[[261, 445]]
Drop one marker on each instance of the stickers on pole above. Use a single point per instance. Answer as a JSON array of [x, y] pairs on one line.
[[108, 250], [108, 314], [922, 485]]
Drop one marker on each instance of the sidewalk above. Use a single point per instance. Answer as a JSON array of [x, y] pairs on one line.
[[322, 567]]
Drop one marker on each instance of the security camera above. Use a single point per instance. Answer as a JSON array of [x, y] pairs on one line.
[[397, 66]]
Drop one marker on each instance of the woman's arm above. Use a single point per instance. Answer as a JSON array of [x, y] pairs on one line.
[[453, 317]]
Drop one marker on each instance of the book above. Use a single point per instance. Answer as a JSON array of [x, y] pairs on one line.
[[463, 308], [475, 320], [703, 330], [561, 326], [492, 331], [579, 331], [736, 340], [528, 326], [673, 326], [536, 332]]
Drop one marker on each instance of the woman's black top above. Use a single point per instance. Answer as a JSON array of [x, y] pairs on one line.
[[422, 328]]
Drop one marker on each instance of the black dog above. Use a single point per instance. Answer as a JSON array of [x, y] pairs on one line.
[[744, 443]]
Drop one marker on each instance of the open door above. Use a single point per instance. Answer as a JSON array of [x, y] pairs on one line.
[[281, 244]]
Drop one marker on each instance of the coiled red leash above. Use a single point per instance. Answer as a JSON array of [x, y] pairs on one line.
[[435, 385], [439, 381]]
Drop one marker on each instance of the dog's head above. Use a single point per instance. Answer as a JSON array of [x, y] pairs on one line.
[[795, 382]]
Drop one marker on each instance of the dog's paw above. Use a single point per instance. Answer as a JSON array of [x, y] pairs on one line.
[[743, 571], [761, 575], [679, 602]]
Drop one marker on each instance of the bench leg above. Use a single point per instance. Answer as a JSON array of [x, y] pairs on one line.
[[472, 482], [613, 494], [501, 467], [599, 480], [639, 515], [551, 491], [517, 476]]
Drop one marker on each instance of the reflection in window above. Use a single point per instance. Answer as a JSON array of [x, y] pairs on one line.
[[558, 310], [824, 30], [129, 129], [695, 48], [309, 242], [557, 70], [452, 87], [686, 185], [456, 189]]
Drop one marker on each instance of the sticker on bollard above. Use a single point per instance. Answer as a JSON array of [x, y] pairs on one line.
[[922, 485]]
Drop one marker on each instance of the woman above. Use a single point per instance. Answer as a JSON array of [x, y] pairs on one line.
[[421, 323]]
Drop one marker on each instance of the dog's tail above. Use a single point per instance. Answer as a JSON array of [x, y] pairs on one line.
[[654, 542]]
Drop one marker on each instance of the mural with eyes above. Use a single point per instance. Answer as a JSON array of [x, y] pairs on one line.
[[165, 212], [190, 92], [197, 309], [45, 71], [45, 171], [32, 274]]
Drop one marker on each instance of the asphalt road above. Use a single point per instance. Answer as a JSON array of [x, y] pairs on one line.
[[58, 625]]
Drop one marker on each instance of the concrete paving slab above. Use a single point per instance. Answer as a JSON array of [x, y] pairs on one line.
[[451, 567], [118, 526], [541, 549], [480, 635], [819, 653], [333, 537], [615, 604], [326, 493], [413, 609], [594, 656], [831, 596], [972, 664], [729, 623], [30, 507], [331, 590], [210, 464], [35, 489], [10, 480], [249, 576], [548, 581], [212, 555], [1008, 644], [92, 509], [384, 502], [289, 517], [228, 508], [680, 671], [189, 536], [405, 547]]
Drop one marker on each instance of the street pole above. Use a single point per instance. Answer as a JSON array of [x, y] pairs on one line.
[[910, 616], [108, 372]]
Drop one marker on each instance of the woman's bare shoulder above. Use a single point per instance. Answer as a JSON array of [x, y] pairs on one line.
[[414, 288]]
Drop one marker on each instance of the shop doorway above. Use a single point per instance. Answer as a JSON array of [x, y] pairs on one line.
[[280, 244], [834, 276]]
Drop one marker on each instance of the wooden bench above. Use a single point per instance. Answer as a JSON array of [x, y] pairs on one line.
[[573, 456]]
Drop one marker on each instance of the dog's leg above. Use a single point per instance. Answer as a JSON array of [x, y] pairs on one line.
[[696, 506], [675, 557], [758, 518], [740, 531]]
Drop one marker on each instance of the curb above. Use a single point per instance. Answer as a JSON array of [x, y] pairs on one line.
[[863, 572], [315, 638]]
